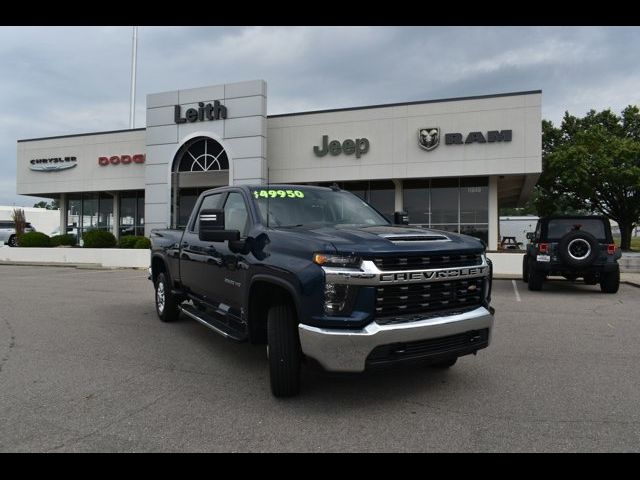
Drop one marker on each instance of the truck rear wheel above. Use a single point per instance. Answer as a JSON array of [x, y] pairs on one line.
[[610, 281], [284, 351], [536, 278], [166, 304], [525, 269]]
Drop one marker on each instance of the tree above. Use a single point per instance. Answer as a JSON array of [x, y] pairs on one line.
[[20, 222], [49, 206], [592, 164]]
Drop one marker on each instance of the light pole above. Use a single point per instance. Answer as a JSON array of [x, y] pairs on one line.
[[134, 55]]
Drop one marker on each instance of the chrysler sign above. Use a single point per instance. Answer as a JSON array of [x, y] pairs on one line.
[[53, 164]]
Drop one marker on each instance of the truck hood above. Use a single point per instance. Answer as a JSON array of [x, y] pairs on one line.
[[381, 240]]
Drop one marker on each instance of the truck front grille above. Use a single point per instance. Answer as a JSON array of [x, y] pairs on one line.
[[396, 300], [422, 262]]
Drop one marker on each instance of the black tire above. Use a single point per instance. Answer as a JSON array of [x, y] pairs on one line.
[[13, 241], [610, 281], [284, 351], [578, 249], [525, 269], [536, 279], [167, 306], [590, 279], [448, 363]]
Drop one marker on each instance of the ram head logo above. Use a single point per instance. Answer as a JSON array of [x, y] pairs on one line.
[[429, 138]]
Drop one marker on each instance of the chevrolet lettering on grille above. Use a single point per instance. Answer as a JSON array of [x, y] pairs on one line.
[[402, 277]]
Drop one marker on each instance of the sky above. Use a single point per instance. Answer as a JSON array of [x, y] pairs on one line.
[[68, 80]]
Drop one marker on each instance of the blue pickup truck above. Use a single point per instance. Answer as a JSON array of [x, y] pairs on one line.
[[318, 275]]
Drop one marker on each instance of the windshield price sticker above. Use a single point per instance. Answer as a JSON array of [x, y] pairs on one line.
[[278, 193]]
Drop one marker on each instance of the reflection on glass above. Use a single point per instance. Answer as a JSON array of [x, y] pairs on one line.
[[446, 228], [357, 188], [478, 231]]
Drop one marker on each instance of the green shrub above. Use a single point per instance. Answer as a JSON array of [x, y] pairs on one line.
[[66, 239], [129, 241], [143, 242], [99, 239], [34, 239]]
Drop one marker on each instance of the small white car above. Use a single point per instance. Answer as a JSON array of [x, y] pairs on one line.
[[8, 232]]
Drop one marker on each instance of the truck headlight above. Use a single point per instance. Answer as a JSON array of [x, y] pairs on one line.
[[338, 298], [342, 261]]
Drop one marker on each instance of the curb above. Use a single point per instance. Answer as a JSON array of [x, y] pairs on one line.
[[506, 276], [79, 266]]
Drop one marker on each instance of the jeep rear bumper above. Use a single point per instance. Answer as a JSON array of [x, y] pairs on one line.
[[559, 267], [433, 338]]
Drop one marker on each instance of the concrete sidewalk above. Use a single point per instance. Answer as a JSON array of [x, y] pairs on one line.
[[630, 278], [625, 277]]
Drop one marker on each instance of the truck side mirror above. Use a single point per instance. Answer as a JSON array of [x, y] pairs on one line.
[[211, 227], [530, 235], [401, 218]]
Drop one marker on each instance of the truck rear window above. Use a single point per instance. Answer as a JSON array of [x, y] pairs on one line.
[[559, 227]]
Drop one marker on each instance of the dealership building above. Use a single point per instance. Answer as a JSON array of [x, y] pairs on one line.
[[449, 163]]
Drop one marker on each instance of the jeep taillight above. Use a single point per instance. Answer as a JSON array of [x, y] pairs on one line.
[[611, 249], [543, 248]]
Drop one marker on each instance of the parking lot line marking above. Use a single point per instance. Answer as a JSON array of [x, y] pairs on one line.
[[515, 289]]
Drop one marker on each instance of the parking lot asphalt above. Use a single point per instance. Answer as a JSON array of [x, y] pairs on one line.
[[85, 365]]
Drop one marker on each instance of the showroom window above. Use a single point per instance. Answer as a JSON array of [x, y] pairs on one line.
[[187, 199], [132, 213], [416, 200], [451, 204], [89, 211]]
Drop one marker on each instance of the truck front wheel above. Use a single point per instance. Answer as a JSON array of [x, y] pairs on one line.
[[166, 304], [284, 351], [448, 363]]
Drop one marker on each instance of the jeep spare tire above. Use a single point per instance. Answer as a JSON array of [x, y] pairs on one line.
[[578, 249]]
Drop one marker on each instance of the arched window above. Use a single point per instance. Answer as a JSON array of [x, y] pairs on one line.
[[201, 154]]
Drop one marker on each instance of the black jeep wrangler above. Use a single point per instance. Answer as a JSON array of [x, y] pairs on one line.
[[572, 246]]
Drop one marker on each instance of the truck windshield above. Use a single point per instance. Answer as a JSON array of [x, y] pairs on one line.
[[559, 227], [300, 207]]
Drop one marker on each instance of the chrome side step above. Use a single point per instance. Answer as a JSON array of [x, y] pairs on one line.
[[215, 325]]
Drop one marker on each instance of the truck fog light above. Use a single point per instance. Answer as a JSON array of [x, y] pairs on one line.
[[335, 298]]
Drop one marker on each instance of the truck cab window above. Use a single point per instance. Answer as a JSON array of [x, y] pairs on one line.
[[236, 216]]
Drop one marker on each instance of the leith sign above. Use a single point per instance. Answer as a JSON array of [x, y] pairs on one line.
[[203, 112]]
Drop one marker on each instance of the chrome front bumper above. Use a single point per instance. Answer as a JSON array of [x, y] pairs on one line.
[[341, 350]]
